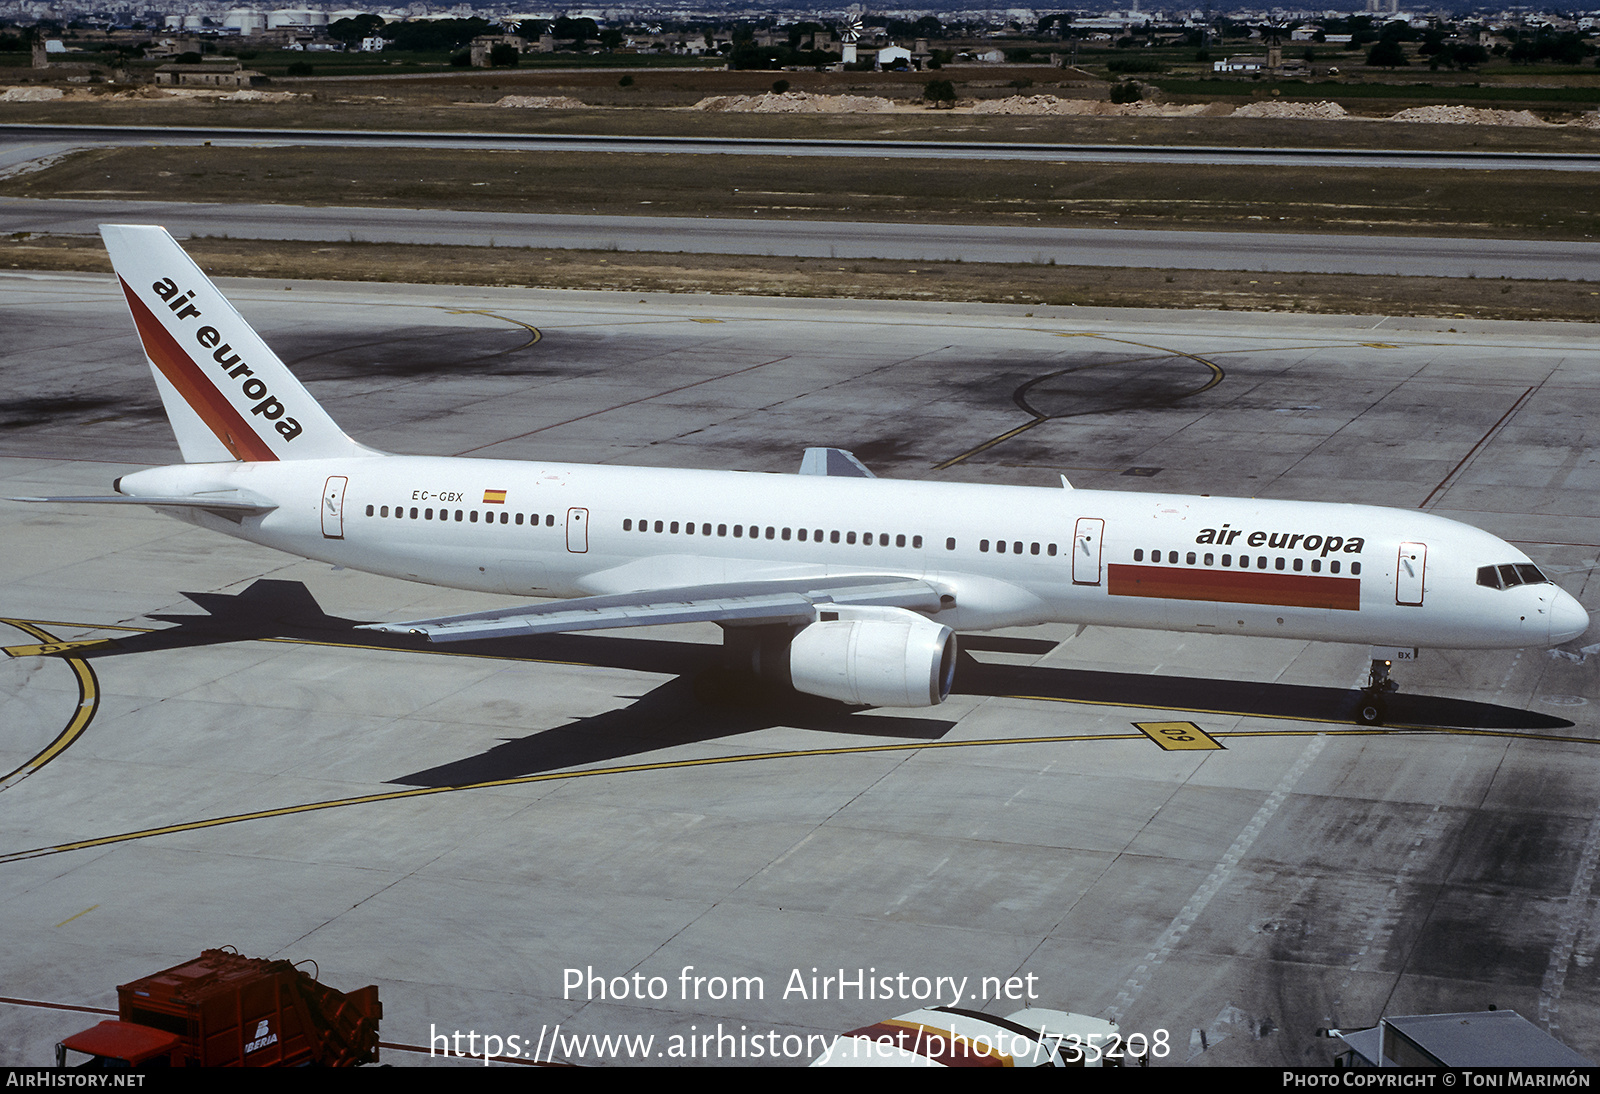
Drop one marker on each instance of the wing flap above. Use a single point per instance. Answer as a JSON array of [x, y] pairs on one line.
[[747, 602]]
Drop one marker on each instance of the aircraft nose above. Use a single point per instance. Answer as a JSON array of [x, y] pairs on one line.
[[1567, 619]]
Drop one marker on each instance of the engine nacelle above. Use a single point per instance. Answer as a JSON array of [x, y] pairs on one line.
[[885, 657]]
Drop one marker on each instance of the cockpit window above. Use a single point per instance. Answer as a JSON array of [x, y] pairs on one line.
[[1510, 575]]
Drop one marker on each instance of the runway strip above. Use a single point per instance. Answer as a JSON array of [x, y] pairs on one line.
[[87, 136], [1168, 250]]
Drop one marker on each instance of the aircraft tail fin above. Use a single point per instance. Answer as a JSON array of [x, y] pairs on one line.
[[226, 394]]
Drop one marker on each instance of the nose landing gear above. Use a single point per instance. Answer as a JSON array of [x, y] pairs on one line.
[[1374, 705]]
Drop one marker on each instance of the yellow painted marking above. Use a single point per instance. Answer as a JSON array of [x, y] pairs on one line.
[[1006, 436], [56, 647], [99, 626], [82, 715], [1380, 345], [85, 912], [692, 319], [557, 776], [710, 761], [89, 700], [529, 327], [1178, 736], [1216, 378]]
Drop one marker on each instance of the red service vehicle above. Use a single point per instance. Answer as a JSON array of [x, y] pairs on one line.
[[226, 1010]]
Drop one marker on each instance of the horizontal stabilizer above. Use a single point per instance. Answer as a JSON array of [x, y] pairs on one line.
[[835, 462], [234, 501], [747, 602]]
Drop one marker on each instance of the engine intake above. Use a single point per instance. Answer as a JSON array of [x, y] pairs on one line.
[[885, 657]]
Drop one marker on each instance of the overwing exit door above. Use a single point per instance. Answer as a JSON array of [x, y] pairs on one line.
[[577, 530], [333, 507]]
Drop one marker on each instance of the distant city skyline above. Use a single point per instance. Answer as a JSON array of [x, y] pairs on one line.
[[26, 12]]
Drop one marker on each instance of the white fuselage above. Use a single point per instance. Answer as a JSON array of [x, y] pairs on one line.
[[1002, 555]]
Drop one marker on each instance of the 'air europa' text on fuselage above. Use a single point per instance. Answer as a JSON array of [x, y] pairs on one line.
[[1284, 541]]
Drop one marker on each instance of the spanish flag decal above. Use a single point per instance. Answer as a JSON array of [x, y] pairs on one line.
[[494, 497]]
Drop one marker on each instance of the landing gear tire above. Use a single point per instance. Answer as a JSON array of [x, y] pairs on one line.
[[1374, 707]]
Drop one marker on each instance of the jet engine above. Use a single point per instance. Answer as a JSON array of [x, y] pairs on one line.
[[885, 657]]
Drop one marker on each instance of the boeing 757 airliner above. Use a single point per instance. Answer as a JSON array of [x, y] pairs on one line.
[[833, 581]]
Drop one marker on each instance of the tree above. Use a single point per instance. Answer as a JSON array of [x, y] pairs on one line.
[[352, 30], [436, 34], [940, 93], [503, 55], [1387, 53], [579, 30]]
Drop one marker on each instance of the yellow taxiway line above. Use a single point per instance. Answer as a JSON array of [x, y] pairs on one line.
[[82, 714]]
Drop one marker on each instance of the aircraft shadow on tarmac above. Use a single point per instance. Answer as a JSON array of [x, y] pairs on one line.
[[702, 702]]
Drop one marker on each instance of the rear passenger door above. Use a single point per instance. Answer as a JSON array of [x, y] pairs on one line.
[[333, 507]]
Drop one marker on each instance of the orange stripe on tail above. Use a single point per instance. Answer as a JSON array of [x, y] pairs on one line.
[[195, 386]]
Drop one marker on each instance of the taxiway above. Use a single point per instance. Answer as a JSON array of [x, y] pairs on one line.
[[227, 762]]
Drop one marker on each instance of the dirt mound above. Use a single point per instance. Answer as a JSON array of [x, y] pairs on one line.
[[796, 102], [540, 102], [1291, 110], [1040, 104], [1050, 104], [30, 94], [1467, 115], [251, 95]]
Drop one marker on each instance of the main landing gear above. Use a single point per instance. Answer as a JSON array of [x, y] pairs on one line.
[[1374, 706]]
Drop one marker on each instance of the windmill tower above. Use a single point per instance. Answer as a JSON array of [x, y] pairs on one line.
[[850, 34], [1273, 33]]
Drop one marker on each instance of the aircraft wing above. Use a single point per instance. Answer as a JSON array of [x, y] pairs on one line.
[[743, 602]]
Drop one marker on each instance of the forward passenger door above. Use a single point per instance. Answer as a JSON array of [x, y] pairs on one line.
[[1086, 538], [1408, 577]]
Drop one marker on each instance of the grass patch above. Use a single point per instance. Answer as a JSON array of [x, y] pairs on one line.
[[1506, 204], [457, 100], [1343, 92], [1022, 284]]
